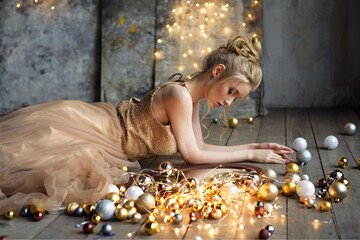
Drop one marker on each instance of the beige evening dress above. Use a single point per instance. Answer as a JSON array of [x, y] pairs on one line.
[[64, 151]]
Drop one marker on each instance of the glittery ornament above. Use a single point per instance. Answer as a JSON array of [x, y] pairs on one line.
[[292, 177], [303, 157], [322, 183], [144, 181], [322, 193], [130, 204], [250, 119], [71, 207], [112, 189], [309, 202], [37, 216], [177, 219], [216, 214], [268, 191], [233, 122], [121, 214], [292, 168], [133, 192], [96, 218], [333, 176], [268, 175], [88, 228], [165, 168], [350, 128], [337, 190], [299, 144], [325, 206], [343, 162], [24, 212], [151, 228], [9, 214], [106, 209], [194, 215], [229, 190], [264, 234], [305, 188], [89, 209], [79, 211], [259, 211], [331, 142], [114, 197], [136, 217], [289, 188], [270, 228], [106, 229], [145, 202], [344, 181]]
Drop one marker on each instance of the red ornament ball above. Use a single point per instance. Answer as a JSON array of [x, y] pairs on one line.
[[264, 234], [37, 216], [259, 210], [322, 183], [4, 238], [88, 228], [194, 215]]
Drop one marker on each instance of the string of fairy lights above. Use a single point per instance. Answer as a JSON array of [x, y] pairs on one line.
[[197, 26], [52, 6]]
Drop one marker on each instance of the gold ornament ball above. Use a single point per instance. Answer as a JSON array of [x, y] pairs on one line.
[[70, 208], [33, 209], [124, 168], [9, 214], [216, 214], [344, 181], [206, 212], [309, 202], [89, 209], [292, 168], [129, 204], [122, 188], [289, 188], [325, 206], [268, 175], [131, 211], [136, 217], [145, 202], [121, 213], [151, 228], [83, 205], [268, 191], [96, 218], [118, 205], [233, 122], [180, 201], [250, 119], [337, 190], [221, 206], [359, 162], [343, 162], [114, 197], [150, 218]]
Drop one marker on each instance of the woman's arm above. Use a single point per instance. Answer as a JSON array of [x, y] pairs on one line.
[[179, 108]]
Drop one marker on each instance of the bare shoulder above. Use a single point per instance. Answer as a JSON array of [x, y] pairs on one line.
[[175, 93]]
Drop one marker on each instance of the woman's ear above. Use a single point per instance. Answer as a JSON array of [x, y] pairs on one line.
[[218, 69]]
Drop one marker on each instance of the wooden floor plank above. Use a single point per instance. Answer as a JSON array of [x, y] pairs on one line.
[[301, 220], [324, 122]]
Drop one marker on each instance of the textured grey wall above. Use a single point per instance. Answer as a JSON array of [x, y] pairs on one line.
[[311, 53], [48, 54]]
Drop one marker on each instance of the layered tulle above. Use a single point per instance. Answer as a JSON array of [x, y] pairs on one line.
[[60, 152]]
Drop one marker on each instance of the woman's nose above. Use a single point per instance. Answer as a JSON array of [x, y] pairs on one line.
[[229, 101]]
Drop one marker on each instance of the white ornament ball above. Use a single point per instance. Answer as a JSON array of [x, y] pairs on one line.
[[197, 238], [303, 157], [331, 142], [304, 177], [299, 144], [292, 177], [106, 209], [305, 189], [268, 207], [229, 190], [113, 188], [133, 192], [350, 128]]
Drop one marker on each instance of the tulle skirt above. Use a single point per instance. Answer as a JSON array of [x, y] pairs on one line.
[[59, 152]]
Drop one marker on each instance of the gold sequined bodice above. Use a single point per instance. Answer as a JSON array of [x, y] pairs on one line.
[[143, 135]]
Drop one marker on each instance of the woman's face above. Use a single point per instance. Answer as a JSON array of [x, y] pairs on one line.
[[226, 92]]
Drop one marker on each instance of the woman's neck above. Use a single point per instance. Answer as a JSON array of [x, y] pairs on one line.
[[197, 86]]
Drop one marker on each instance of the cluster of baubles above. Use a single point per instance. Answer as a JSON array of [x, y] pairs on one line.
[[35, 213], [233, 122]]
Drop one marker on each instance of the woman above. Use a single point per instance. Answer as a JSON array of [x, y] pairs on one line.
[[66, 151]]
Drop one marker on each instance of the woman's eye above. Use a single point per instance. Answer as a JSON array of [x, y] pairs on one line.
[[230, 91]]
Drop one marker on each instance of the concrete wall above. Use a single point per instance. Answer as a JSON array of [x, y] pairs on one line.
[[311, 53], [48, 54]]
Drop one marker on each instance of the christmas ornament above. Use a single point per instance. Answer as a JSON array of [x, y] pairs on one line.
[[221, 206], [150, 217], [9, 214], [122, 188], [79, 211], [24, 212], [303, 157], [268, 175], [106, 229], [259, 210], [350, 128], [268, 191], [215, 120], [259, 203], [106, 209], [309, 202], [131, 211], [344, 181], [96, 218], [112, 196], [271, 229], [88, 228], [331, 142], [343, 162], [216, 214], [197, 238], [322, 193], [299, 144], [166, 169], [144, 181], [292, 168], [250, 120], [133, 192], [89, 209], [292, 177], [37, 216], [124, 168], [194, 215], [129, 204], [136, 217], [264, 234], [121, 214], [333, 176], [337, 190], [33, 209], [177, 219], [322, 183], [268, 207], [151, 228], [193, 183], [233, 122], [4, 237], [325, 206], [229, 190], [305, 188], [206, 212], [289, 188], [71, 207], [305, 177], [145, 202], [113, 189]]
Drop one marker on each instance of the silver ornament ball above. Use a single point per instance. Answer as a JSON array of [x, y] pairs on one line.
[[303, 157], [350, 128], [106, 229], [106, 209]]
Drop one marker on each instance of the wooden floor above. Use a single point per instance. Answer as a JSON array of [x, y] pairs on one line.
[[291, 219]]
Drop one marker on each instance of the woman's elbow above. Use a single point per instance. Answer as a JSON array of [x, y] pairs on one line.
[[191, 157]]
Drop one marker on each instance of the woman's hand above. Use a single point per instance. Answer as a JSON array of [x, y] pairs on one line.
[[280, 149], [269, 156]]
